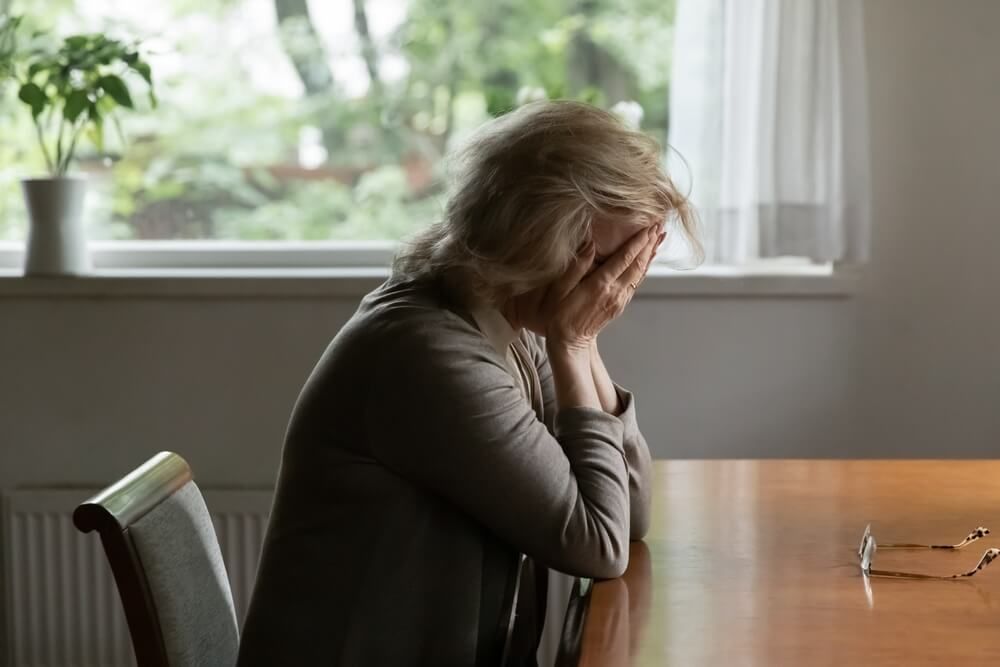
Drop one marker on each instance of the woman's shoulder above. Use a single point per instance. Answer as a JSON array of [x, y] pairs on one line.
[[407, 314]]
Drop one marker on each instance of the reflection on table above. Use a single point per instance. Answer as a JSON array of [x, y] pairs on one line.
[[755, 563]]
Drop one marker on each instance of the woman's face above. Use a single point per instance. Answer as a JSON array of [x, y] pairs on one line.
[[608, 236]]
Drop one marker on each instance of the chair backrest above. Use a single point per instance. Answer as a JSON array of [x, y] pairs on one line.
[[164, 554]]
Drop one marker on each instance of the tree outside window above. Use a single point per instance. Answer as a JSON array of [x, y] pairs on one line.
[[329, 119]]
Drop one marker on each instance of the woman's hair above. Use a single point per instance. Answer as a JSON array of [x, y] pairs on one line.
[[525, 190]]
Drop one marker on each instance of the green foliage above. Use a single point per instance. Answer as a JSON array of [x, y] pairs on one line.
[[73, 89], [8, 43], [219, 156], [379, 206]]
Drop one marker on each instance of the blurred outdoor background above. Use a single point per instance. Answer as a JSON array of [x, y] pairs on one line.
[[325, 119]]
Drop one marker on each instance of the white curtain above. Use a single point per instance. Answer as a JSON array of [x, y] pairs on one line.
[[769, 126]]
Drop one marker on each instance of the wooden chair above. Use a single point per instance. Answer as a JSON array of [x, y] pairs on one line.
[[165, 557], [570, 641]]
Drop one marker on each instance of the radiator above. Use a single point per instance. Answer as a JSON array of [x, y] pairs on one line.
[[62, 607]]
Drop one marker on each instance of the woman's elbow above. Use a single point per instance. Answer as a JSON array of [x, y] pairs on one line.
[[640, 526], [640, 510], [607, 560], [612, 567]]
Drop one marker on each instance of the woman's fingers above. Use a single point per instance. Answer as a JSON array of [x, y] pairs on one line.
[[569, 280], [620, 262], [602, 295], [636, 271], [651, 256]]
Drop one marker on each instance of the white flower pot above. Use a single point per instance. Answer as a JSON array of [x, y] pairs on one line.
[[57, 244]]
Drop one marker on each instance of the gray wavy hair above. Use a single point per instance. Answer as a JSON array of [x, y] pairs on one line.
[[525, 190]]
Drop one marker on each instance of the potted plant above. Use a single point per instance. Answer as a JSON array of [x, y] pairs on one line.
[[71, 90]]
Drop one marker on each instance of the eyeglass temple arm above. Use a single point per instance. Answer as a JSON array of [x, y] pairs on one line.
[[988, 557], [977, 534]]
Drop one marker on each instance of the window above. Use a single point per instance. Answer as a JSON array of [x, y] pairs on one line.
[[296, 120]]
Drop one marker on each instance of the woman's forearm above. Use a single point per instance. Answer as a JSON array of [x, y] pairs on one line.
[[636, 451], [606, 391], [573, 377]]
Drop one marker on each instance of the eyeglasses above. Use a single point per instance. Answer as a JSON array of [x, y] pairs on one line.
[[867, 551]]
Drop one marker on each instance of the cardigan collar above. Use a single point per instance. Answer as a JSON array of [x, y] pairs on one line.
[[495, 327]]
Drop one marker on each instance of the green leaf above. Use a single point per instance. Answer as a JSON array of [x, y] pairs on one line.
[[94, 114], [33, 96], [35, 67], [591, 95], [87, 61], [499, 100], [117, 89], [106, 104], [77, 42], [142, 67], [107, 54], [75, 104]]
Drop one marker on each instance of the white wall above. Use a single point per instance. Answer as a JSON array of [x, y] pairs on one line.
[[928, 330], [92, 386]]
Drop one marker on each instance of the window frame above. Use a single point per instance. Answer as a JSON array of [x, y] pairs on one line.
[[215, 256], [258, 269], [222, 255]]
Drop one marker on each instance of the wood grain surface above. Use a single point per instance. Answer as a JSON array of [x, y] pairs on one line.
[[755, 563]]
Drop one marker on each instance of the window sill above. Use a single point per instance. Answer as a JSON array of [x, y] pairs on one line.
[[708, 282]]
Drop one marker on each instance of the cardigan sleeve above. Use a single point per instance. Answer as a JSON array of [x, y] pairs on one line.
[[445, 414], [637, 457]]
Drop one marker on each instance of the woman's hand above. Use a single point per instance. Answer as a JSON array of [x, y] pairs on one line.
[[583, 302]]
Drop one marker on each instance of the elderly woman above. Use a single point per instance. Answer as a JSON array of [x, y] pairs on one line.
[[461, 428]]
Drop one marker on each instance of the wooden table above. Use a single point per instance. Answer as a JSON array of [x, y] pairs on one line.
[[755, 563]]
